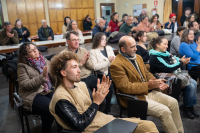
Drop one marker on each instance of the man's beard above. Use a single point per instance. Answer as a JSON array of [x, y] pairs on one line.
[[102, 27]]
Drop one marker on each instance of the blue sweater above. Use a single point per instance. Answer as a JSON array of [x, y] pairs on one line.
[[171, 26], [189, 50]]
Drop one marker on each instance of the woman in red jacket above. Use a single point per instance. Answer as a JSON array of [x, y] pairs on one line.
[[114, 23]]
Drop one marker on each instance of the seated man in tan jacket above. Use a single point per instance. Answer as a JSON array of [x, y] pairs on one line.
[[85, 64], [130, 76], [8, 36], [74, 106]]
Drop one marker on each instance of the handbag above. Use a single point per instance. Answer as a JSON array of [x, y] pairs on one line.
[[151, 35], [185, 78]]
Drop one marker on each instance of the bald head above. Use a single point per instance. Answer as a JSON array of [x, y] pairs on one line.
[[127, 45], [44, 23]]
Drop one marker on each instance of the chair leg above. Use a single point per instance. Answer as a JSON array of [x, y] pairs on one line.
[[20, 113], [120, 114], [27, 124], [22, 122]]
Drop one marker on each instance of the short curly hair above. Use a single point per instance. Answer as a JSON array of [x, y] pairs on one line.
[[59, 62], [97, 40]]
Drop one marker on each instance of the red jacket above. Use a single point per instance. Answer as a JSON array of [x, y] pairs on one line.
[[113, 26]]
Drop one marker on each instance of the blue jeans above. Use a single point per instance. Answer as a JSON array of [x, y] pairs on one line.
[[189, 94]]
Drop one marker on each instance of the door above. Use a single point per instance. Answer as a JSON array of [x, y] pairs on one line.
[[106, 9]]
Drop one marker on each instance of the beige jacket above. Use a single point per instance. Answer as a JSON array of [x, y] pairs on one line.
[[87, 67], [30, 83], [81, 38], [64, 29], [80, 98], [100, 62]]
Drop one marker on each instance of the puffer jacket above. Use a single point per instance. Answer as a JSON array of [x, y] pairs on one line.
[[31, 82], [162, 62]]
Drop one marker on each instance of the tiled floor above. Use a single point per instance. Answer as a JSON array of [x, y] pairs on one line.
[[9, 122]]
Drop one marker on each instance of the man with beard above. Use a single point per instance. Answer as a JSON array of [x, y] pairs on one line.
[[74, 106], [100, 27], [128, 26]]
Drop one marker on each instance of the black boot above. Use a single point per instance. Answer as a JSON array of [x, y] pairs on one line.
[[187, 112], [194, 112]]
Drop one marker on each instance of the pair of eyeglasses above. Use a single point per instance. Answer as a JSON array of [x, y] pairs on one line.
[[73, 40], [31, 50]]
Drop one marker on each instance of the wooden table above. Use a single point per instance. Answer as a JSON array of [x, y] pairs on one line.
[[49, 44]]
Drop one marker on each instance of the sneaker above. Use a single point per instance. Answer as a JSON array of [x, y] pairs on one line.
[[187, 112]]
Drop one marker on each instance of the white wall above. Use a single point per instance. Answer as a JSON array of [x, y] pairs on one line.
[[121, 7]]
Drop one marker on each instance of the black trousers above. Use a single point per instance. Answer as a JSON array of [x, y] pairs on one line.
[[41, 107], [91, 82]]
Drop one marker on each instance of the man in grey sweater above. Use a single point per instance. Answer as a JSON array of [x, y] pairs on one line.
[[176, 41]]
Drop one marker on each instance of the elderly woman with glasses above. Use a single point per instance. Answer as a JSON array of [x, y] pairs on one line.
[[35, 83], [73, 26]]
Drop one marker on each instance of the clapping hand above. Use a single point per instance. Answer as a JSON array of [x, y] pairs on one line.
[[111, 58], [154, 83], [45, 71], [102, 90], [185, 60], [85, 58]]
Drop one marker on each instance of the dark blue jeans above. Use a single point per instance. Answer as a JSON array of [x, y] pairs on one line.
[[189, 94]]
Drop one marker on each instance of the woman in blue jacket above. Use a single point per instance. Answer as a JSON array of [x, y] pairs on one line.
[[191, 49], [161, 62]]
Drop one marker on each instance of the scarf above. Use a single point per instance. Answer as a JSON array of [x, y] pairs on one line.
[[133, 58], [39, 65]]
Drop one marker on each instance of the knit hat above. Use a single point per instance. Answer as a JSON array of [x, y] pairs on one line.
[[172, 15]]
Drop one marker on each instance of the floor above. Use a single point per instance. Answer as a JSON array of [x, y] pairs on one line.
[[9, 122]]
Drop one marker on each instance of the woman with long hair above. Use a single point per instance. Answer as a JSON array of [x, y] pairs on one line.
[[156, 24], [189, 19], [35, 83], [102, 56], [190, 49], [161, 62], [141, 37], [114, 23], [66, 23], [23, 32], [73, 26]]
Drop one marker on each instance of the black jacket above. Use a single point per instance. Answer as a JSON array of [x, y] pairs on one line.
[[20, 36], [182, 19], [87, 25], [42, 35], [143, 53], [162, 62]]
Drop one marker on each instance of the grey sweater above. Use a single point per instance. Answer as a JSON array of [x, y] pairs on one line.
[[175, 43]]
